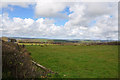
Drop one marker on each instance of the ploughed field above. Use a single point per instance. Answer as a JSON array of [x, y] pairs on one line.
[[95, 61]]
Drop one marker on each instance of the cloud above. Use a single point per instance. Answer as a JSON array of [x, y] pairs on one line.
[[29, 27], [82, 14], [105, 25], [21, 3], [42, 8], [50, 9]]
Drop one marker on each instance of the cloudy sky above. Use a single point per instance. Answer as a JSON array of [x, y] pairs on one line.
[[59, 20]]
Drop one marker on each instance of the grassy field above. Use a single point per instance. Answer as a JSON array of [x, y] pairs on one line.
[[99, 61]]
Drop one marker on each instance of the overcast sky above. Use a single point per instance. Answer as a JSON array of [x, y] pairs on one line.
[[60, 20]]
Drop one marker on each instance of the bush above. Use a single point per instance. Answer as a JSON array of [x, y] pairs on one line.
[[17, 62]]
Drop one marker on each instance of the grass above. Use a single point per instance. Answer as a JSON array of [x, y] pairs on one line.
[[99, 61]]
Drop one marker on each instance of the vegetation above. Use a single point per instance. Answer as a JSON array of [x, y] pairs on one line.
[[16, 63], [33, 40], [70, 61]]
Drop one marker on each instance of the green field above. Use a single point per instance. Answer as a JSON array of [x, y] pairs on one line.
[[99, 61]]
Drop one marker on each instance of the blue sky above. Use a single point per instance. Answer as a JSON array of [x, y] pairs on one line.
[[20, 12], [29, 12], [17, 11]]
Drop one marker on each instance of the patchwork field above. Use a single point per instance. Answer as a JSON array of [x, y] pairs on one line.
[[100, 61]]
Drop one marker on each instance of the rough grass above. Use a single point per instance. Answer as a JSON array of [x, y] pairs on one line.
[[99, 61]]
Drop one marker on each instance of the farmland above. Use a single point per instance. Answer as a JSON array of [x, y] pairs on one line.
[[95, 61]]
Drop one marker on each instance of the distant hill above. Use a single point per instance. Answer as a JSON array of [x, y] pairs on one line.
[[26, 39]]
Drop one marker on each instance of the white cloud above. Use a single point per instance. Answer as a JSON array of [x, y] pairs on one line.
[[25, 3], [78, 26], [21, 3], [50, 9], [29, 27]]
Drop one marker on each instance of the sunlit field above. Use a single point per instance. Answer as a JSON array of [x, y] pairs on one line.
[[34, 44], [95, 61]]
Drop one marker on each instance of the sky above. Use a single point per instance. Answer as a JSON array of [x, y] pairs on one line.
[[59, 20]]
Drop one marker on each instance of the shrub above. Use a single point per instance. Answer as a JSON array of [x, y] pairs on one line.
[[17, 62]]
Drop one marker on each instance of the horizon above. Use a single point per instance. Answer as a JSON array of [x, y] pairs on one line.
[[59, 38]]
